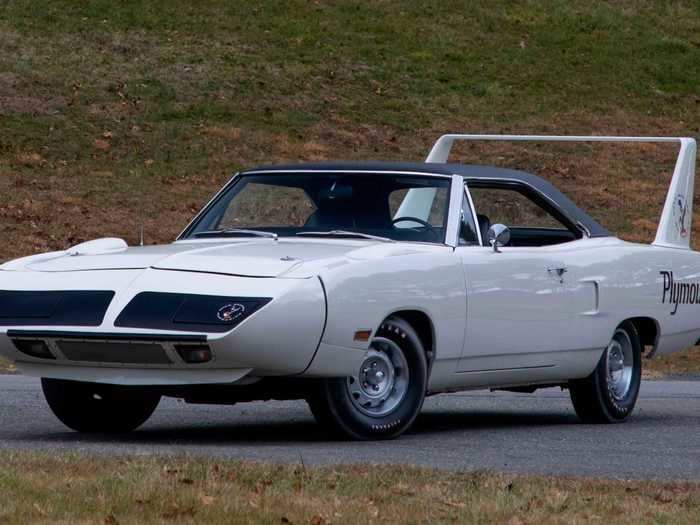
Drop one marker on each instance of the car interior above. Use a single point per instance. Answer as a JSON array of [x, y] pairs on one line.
[[531, 219], [297, 204]]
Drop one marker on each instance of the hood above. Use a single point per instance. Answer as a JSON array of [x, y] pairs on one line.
[[250, 258]]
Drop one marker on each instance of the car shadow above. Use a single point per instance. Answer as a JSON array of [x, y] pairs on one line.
[[445, 421], [305, 430]]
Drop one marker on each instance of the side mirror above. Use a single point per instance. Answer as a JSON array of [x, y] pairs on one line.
[[497, 236]]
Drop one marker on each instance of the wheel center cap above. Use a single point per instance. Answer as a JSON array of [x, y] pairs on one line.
[[376, 376]]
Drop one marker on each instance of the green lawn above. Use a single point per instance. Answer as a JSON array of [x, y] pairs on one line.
[[182, 490]]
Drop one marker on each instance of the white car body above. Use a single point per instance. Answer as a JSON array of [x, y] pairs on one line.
[[491, 319]]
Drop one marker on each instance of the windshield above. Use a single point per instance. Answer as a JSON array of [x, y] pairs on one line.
[[353, 205]]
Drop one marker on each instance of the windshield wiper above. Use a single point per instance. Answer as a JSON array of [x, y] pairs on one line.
[[237, 231], [344, 233]]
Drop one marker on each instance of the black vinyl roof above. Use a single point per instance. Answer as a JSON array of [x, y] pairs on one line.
[[471, 173]]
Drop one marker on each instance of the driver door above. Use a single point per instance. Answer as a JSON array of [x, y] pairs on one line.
[[520, 300]]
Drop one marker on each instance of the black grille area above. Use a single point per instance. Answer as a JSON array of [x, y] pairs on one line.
[[114, 352], [53, 308], [188, 312]]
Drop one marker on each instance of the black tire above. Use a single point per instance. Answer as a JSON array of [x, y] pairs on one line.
[[595, 398], [98, 408], [333, 406]]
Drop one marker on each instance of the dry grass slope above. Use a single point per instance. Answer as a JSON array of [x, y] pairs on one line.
[[159, 490], [116, 112]]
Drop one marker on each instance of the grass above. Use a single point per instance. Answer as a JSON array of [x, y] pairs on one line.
[[686, 362], [117, 113], [183, 490]]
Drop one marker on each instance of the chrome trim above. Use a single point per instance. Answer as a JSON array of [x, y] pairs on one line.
[[455, 211], [208, 204], [583, 227], [337, 170], [475, 220], [497, 236]]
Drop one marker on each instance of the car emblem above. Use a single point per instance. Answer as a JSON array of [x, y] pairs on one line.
[[679, 214], [230, 312]]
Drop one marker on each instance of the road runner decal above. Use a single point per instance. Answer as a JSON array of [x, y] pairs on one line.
[[680, 211], [679, 293]]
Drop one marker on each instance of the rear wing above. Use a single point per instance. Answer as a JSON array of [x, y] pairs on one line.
[[676, 218]]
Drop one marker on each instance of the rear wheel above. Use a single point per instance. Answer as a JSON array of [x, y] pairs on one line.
[[385, 395], [94, 407], [610, 392]]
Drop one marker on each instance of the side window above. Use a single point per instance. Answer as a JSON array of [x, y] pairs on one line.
[[264, 205], [530, 223]]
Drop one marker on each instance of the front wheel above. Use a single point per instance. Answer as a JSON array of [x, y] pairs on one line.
[[385, 395], [94, 407], [610, 392]]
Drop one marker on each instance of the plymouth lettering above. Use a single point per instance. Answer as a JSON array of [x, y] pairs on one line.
[[676, 293]]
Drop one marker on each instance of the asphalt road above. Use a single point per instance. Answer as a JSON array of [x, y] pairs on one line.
[[526, 433]]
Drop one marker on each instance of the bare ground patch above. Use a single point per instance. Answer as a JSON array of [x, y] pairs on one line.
[[14, 101]]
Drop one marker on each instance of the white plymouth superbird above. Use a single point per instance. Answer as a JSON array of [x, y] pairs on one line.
[[360, 288]]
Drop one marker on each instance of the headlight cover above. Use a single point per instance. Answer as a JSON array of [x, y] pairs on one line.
[[188, 312], [54, 308]]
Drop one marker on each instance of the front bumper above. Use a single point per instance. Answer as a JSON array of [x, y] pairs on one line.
[[280, 338]]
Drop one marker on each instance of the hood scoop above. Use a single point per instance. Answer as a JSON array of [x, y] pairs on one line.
[[98, 247]]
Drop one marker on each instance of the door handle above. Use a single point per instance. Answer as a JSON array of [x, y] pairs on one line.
[[558, 272]]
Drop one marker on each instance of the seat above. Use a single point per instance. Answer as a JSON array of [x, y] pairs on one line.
[[484, 225], [330, 217]]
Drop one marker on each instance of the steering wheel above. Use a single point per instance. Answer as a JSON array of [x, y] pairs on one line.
[[423, 223]]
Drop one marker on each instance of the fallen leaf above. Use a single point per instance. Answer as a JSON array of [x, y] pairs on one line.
[[206, 500], [101, 144], [30, 160]]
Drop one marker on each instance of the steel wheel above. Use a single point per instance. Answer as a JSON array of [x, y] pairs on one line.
[[610, 392], [382, 399], [619, 358], [382, 381]]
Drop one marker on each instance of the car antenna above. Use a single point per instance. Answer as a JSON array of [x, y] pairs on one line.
[[141, 233]]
